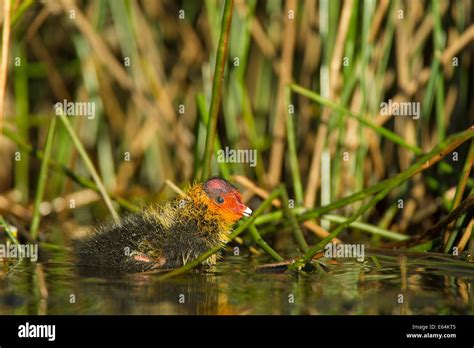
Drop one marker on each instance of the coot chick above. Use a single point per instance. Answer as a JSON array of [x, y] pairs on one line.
[[166, 235]]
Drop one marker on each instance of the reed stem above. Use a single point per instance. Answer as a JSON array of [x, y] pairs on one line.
[[217, 88]]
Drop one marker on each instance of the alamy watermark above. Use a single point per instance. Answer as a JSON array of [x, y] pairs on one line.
[[393, 108], [75, 109], [356, 251], [19, 251], [37, 331], [228, 155]]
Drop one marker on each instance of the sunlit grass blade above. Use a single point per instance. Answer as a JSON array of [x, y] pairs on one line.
[[260, 242], [293, 222], [367, 228], [378, 129], [60, 168], [42, 178], [89, 165], [293, 154], [8, 231]]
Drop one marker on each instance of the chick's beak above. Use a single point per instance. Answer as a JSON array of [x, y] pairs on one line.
[[247, 212]]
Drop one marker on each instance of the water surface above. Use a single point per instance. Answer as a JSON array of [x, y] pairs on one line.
[[233, 286]]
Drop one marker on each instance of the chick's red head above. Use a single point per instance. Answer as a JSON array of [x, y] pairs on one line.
[[225, 200]]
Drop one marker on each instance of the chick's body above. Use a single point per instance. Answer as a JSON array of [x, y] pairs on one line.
[[167, 235]]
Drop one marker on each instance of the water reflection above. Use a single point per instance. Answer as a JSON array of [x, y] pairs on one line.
[[233, 287]]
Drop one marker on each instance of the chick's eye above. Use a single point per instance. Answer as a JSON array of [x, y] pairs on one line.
[[219, 199]]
